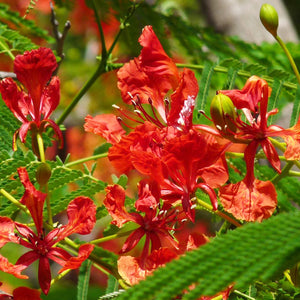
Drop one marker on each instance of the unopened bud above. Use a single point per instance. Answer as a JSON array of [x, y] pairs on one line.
[[223, 114], [269, 17], [43, 173]]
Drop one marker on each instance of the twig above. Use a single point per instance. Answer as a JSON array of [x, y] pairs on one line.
[[59, 37]]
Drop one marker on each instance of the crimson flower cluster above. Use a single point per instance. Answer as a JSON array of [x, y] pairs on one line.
[[158, 139], [166, 148]]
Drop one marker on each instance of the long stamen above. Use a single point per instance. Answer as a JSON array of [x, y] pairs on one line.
[[154, 113], [122, 123]]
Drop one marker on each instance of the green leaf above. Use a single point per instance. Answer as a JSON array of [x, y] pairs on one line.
[[272, 104], [12, 17], [83, 280], [204, 86], [257, 251]]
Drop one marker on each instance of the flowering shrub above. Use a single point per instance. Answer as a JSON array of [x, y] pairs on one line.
[[202, 200]]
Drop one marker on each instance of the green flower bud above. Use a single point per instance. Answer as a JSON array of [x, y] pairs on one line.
[[223, 114], [269, 17], [43, 173]]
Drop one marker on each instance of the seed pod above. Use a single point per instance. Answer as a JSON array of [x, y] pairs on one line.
[[223, 114], [43, 173], [269, 18]]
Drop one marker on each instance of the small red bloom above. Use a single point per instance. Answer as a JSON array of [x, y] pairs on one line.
[[33, 108], [155, 223], [81, 214], [252, 199]]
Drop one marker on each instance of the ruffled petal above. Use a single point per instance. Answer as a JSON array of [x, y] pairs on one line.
[[7, 267], [115, 205], [250, 203], [34, 69], [152, 75], [82, 217], [106, 125], [7, 235]]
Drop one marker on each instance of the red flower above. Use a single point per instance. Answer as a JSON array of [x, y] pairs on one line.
[[185, 163], [252, 199], [253, 100], [33, 69], [155, 222], [154, 79], [81, 214]]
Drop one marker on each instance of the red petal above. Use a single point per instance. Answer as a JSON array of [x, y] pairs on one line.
[[75, 262], [34, 69], [114, 203], [152, 75], [249, 203], [7, 235], [25, 293], [250, 95], [133, 240], [105, 125], [44, 274], [82, 217], [33, 199], [7, 267], [50, 97], [133, 270], [271, 154], [16, 100], [183, 100]]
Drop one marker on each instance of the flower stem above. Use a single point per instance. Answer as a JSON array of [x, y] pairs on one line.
[[289, 56], [40, 143], [111, 237], [82, 160], [219, 213], [14, 201], [284, 172]]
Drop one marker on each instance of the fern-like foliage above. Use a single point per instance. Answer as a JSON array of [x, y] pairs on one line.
[[253, 252], [8, 16]]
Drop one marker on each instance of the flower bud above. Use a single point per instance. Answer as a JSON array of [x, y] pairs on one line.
[[269, 17], [223, 114], [43, 173]]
